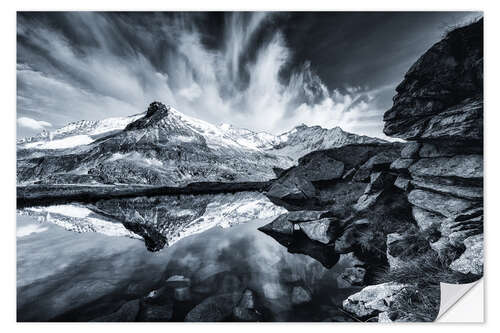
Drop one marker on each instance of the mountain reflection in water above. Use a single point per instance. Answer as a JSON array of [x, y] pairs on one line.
[[68, 276]]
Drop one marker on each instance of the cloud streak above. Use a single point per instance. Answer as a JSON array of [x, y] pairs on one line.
[[236, 68]]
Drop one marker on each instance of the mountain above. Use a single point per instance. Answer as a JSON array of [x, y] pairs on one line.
[[305, 139], [165, 146]]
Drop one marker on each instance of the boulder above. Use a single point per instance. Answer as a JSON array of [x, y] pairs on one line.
[[315, 224], [394, 262], [410, 150], [448, 149], [462, 226], [463, 122], [127, 312], [403, 183], [425, 219], [318, 230], [280, 225], [300, 296], [246, 310], [213, 309], [372, 300], [466, 192], [402, 164], [291, 188], [471, 261], [439, 203], [382, 160], [462, 166], [326, 168], [306, 215]]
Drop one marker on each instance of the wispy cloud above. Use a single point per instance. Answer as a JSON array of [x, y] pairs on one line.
[[122, 63]]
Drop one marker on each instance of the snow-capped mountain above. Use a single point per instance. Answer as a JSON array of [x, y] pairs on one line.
[[159, 221], [77, 133], [303, 139], [165, 146]]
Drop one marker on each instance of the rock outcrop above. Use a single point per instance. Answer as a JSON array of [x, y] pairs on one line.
[[332, 177], [439, 108], [412, 210], [372, 300]]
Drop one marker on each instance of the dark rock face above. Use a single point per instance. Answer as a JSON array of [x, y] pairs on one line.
[[441, 96], [334, 176], [298, 242], [360, 212], [316, 225], [439, 106]]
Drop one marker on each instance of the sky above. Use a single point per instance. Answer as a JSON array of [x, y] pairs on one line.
[[265, 71]]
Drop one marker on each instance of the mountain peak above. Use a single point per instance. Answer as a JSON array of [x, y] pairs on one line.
[[156, 112], [157, 108]]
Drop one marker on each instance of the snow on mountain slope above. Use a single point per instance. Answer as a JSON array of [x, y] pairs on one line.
[[303, 139], [165, 146], [67, 142], [76, 133]]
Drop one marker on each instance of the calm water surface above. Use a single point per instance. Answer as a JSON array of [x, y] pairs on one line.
[[68, 276]]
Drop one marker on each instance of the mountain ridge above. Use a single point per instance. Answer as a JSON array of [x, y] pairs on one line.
[[165, 146]]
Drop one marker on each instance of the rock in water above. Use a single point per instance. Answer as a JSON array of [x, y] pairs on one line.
[[300, 296], [213, 309], [351, 276], [318, 230], [246, 310], [127, 312]]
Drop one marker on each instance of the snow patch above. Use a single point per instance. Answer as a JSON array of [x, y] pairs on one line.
[[69, 142]]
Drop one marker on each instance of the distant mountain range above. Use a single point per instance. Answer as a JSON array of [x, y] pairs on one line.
[[165, 146]]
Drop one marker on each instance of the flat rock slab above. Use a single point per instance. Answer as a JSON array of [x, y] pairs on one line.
[[318, 230], [372, 300], [446, 205], [471, 261], [462, 166]]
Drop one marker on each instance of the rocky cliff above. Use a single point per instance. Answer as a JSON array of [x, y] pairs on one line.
[[406, 216], [439, 108]]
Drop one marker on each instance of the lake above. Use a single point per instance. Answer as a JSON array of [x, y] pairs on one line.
[[68, 274]]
